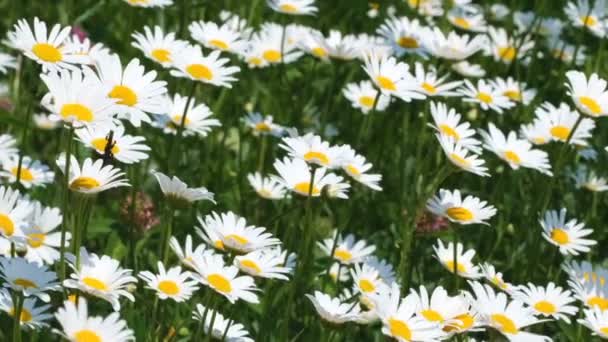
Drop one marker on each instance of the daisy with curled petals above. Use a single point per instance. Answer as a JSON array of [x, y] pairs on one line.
[[356, 166], [470, 210], [589, 96], [149, 3], [216, 37], [587, 179], [125, 148], [233, 233], [295, 175], [314, 150], [447, 123], [464, 263], [211, 69], [431, 85], [47, 49], [77, 325], [222, 328], [223, 279], [461, 156], [333, 310], [14, 212], [171, 283], [560, 121], [7, 62], [515, 151], [597, 321], [263, 263], [266, 187], [136, 92], [263, 124], [581, 14], [42, 241], [77, 97], [392, 78], [7, 145], [399, 319], [176, 190], [453, 47], [550, 301], [506, 49], [157, 46], [495, 278], [515, 91], [31, 173], [348, 250], [186, 254], [568, 236], [293, 7], [29, 278], [486, 96], [467, 69], [404, 35], [93, 177], [363, 95], [509, 318], [33, 316], [198, 117], [439, 307], [101, 277]]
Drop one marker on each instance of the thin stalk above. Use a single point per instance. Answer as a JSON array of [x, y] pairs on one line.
[[455, 239], [262, 155], [18, 304], [28, 115], [180, 129], [167, 235], [210, 333], [65, 199]]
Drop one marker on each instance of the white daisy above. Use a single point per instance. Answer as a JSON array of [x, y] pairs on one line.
[[451, 205], [7, 145], [462, 157], [589, 96], [431, 85], [31, 173], [125, 148], [295, 175], [236, 332], [447, 123], [567, 235], [581, 14], [357, 167], [467, 69], [348, 250], [363, 95], [33, 316], [217, 37], [14, 212], [93, 177], [587, 179], [266, 187], [263, 263], [293, 7], [171, 283], [515, 91], [464, 263], [157, 46], [453, 47], [392, 78], [597, 321], [263, 125], [550, 301], [176, 190], [42, 241], [186, 255], [333, 310], [29, 278], [211, 69], [486, 96], [404, 35], [197, 121], [314, 150], [559, 123], [506, 49]]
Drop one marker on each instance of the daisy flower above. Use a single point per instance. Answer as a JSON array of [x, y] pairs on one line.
[[29, 278], [265, 47], [486, 96], [403, 35], [426, 8], [157, 46], [515, 91], [551, 301], [263, 263], [451, 205], [589, 96], [176, 190], [386, 271], [7, 145], [588, 180], [337, 273], [348, 249], [235, 331], [439, 307], [453, 47], [462, 157], [333, 310], [295, 175], [266, 187], [125, 148], [171, 283], [228, 230], [366, 279], [447, 123], [101, 277], [356, 166], [313, 43], [212, 272], [538, 132], [597, 321], [431, 85], [77, 325], [583, 272], [46, 122], [211, 69], [314, 150], [33, 316], [136, 92], [363, 95], [467, 20], [47, 49], [216, 37], [149, 3], [198, 117], [496, 278], [516, 152], [7, 62], [464, 263], [293, 7], [42, 241], [186, 254], [560, 121], [340, 46], [14, 211], [263, 125], [569, 236], [392, 77], [93, 177], [86, 48], [236, 23], [504, 48], [581, 14], [467, 69], [592, 293], [32, 172]]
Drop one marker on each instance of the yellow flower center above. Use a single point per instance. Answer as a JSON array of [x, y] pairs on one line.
[[461, 322], [95, 283], [84, 183], [499, 282], [264, 193], [450, 266], [408, 43], [87, 335], [100, 145], [484, 97], [255, 61], [429, 88], [545, 307], [25, 316], [252, 265], [460, 214], [289, 8], [386, 83], [25, 283], [125, 95], [604, 330], [512, 157], [273, 56], [591, 105], [241, 240], [449, 131], [161, 55], [366, 285], [6, 225], [168, 287], [560, 132], [366, 101], [400, 329], [316, 157], [589, 20], [343, 255], [36, 240], [177, 120], [352, 170], [219, 245], [220, 44], [303, 188], [507, 53], [262, 127], [47, 52], [514, 95], [219, 283], [601, 303], [77, 111], [432, 315], [26, 174], [199, 72], [504, 324], [319, 52], [560, 236], [460, 161], [462, 22], [594, 277]]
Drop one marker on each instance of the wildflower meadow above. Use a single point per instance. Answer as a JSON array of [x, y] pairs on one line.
[[303, 170]]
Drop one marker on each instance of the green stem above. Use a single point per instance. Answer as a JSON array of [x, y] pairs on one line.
[[167, 235], [18, 304], [455, 239], [65, 199], [26, 125], [262, 155], [178, 135]]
